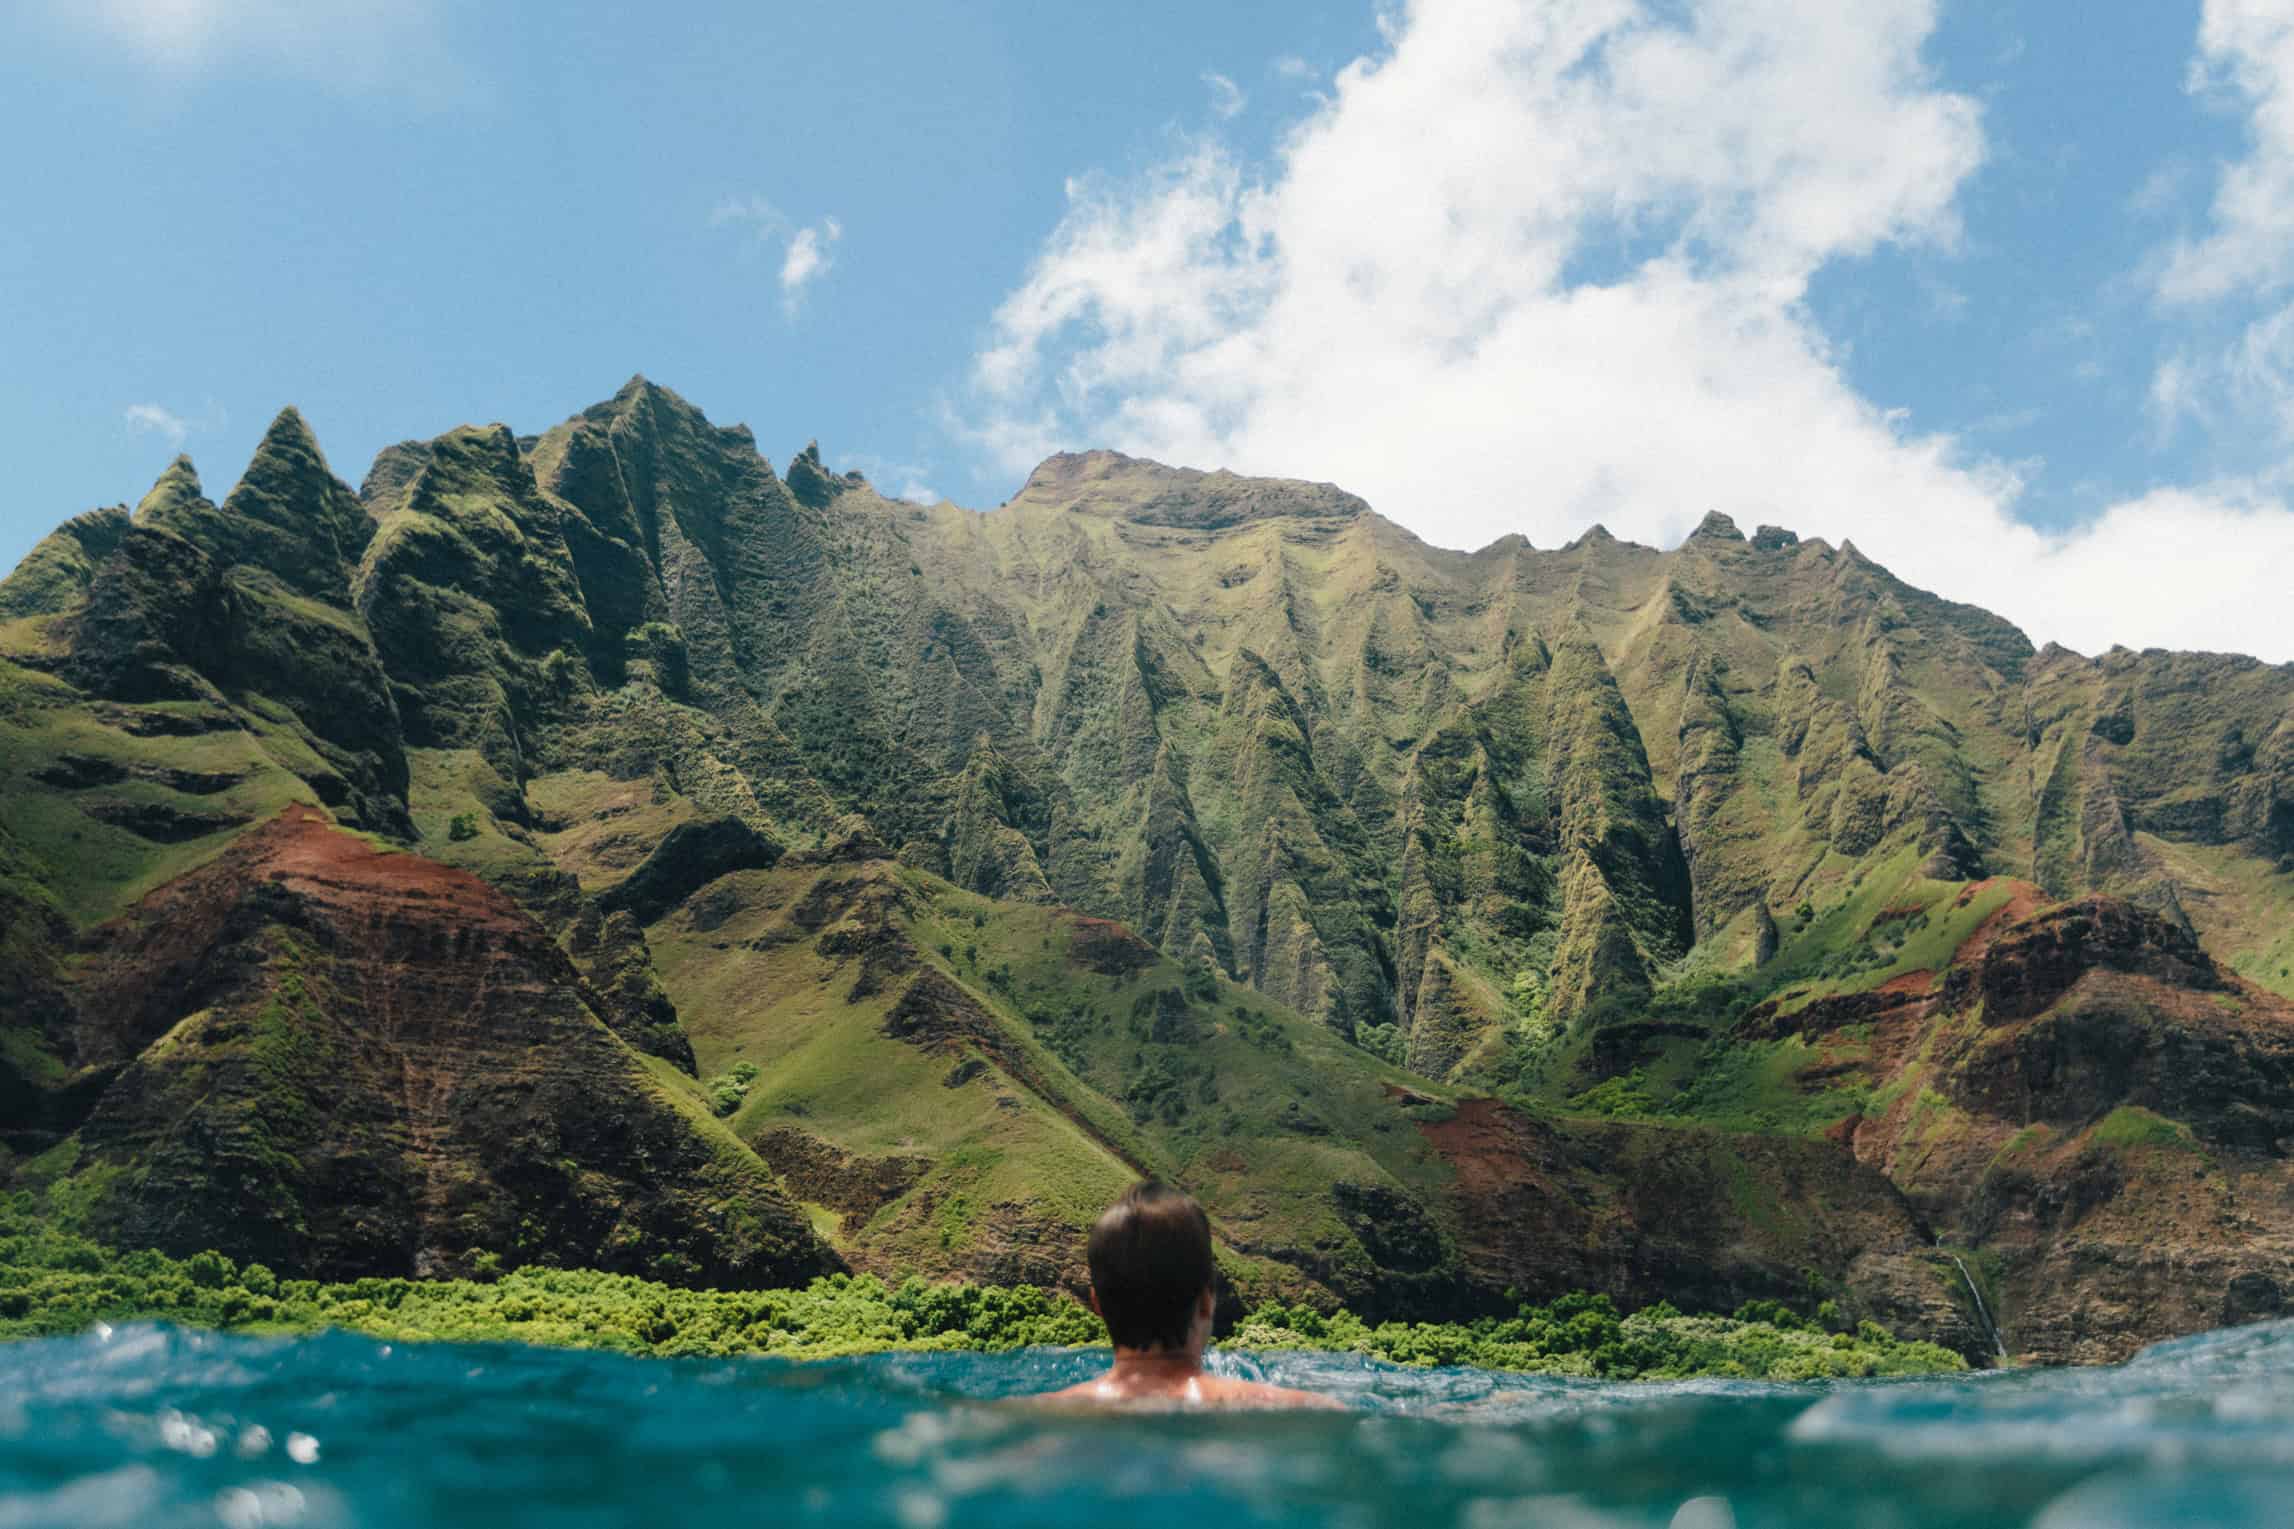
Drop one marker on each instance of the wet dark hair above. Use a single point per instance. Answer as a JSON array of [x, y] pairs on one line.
[[1150, 1262]]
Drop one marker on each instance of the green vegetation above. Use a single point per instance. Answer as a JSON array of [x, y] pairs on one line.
[[53, 1284], [728, 1089], [2132, 1126], [1585, 1335], [804, 783]]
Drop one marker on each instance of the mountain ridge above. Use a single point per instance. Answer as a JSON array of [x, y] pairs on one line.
[[1561, 834]]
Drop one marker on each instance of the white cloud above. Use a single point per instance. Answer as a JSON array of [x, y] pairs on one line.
[[908, 475], [1423, 301], [1227, 98], [1291, 67], [2245, 54], [806, 253], [363, 44], [808, 259], [152, 419], [2242, 390], [2160, 190]]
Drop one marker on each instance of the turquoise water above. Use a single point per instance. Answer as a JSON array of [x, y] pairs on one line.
[[155, 1426]]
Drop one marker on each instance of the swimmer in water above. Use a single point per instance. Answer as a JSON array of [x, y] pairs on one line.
[[1151, 1283]]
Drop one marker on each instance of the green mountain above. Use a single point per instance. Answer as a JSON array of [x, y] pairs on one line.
[[598, 848]]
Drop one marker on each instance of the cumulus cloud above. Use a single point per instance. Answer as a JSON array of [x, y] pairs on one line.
[[152, 419], [1534, 266], [1227, 98], [2245, 55], [2238, 268], [356, 43], [808, 258]]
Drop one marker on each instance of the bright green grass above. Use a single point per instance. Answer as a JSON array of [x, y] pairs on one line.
[[1090, 1079], [93, 868], [2130, 1126], [1852, 946]]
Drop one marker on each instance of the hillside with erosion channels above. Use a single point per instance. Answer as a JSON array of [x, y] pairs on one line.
[[599, 849]]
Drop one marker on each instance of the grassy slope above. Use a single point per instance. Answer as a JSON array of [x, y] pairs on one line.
[[91, 867], [1890, 924], [1090, 1079]]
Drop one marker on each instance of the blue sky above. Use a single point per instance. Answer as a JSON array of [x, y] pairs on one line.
[[1999, 290]]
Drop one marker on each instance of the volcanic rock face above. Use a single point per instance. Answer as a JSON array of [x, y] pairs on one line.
[[1033, 838], [341, 1061]]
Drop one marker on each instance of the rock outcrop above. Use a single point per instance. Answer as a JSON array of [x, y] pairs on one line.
[[340, 1061]]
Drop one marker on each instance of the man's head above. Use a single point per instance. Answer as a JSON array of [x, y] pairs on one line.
[[1151, 1267]]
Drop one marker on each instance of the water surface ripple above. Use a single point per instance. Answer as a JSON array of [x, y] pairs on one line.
[[151, 1425]]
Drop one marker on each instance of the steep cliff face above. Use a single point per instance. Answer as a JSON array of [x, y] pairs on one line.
[[340, 1061], [2084, 1100], [247, 607], [1605, 830]]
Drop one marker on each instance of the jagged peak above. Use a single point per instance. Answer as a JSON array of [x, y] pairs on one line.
[[1774, 539], [811, 482], [1598, 538], [1716, 527], [177, 484], [641, 389], [289, 428], [642, 399], [465, 453], [287, 457]]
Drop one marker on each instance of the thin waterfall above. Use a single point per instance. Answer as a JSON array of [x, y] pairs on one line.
[[1983, 1313]]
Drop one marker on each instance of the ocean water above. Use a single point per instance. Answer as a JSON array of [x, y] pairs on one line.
[[150, 1425]]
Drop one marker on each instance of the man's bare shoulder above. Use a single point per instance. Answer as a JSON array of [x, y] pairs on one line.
[[1090, 1393], [1200, 1391], [1221, 1392]]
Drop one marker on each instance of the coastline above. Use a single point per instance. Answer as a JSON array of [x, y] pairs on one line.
[[53, 1284]]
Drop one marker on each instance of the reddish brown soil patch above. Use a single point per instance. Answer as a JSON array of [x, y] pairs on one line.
[[1108, 948], [1909, 984], [1910, 997], [2020, 905], [301, 850], [1489, 1144]]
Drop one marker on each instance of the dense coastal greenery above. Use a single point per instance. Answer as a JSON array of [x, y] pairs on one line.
[[53, 1284]]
